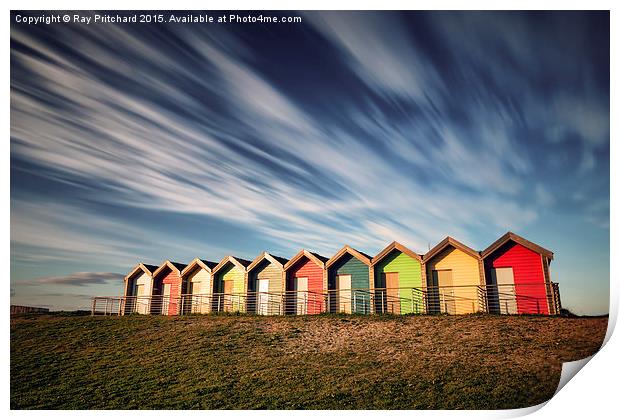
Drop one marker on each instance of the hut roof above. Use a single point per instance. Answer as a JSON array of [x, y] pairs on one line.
[[510, 236]]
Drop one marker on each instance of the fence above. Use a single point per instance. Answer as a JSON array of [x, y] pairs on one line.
[[21, 309], [452, 300]]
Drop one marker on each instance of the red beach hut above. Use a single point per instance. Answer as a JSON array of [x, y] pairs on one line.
[[517, 276], [305, 283], [167, 286]]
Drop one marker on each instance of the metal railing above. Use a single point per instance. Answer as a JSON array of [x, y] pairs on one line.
[[452, 300], [350, 301], [524, 298]]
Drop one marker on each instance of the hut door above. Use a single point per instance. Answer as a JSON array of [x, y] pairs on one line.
[[263, 296], [207, 294], [343, 286], [505, 280], [392, 293], [433, 293], [301, 286], [446, 291], [166, 300], [228, 298], [141, 305], [194, 290]]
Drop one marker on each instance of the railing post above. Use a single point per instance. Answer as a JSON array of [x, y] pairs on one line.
[[331, 301], [327, 302], [383, 302], [94, 304], [442, 297], [485, 295]]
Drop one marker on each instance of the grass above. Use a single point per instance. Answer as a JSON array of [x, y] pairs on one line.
[[315, 362]]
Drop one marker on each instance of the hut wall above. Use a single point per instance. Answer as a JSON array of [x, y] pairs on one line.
[[409, 276], [465, 272], [360, 299], [200, 304], [162, 305], [314, 273], [529, 276], [270, 271], [269, 304], [232, 273]]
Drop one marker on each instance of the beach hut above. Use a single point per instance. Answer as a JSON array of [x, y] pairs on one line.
[[305, 283], [454, 277], [517, 276], [167, 287], [230, 284], [138, 289], [266, 284], [198, 286], [398, 280], [348, 281]]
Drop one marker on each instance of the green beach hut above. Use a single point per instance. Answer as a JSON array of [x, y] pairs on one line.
[[348, 281], [398, 280]]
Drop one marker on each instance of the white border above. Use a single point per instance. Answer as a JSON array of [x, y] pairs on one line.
[[592, 394]]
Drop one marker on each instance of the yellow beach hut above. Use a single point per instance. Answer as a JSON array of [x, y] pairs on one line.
[[230, 285], [455, 278]]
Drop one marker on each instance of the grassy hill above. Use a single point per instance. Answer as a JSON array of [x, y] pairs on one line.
[[318, 362]]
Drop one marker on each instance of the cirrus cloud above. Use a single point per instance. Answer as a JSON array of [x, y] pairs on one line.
[[81, 279]]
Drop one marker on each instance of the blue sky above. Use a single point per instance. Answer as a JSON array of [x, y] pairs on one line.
[[146, 142]]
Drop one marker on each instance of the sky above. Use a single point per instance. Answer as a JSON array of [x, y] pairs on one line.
[[147, 142]]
